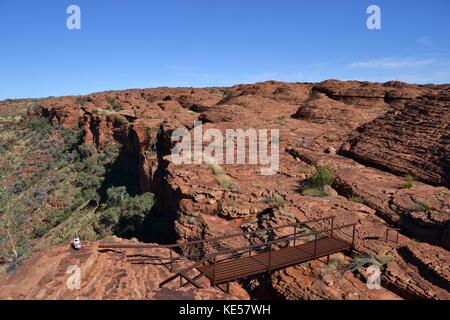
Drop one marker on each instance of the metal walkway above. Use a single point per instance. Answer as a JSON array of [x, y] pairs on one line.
[[271, 260], [235, 256]]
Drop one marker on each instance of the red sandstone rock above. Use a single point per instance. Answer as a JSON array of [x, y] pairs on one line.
[[105, 276], [312, 118]]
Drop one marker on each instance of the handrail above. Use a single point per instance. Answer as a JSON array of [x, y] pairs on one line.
[[188, 243], [214, 255], [254, 246], [397, 230], [289, 238], [232, 235]]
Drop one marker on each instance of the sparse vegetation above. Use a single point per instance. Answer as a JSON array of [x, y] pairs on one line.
[[419, 207], [336, 262], [114, 105], [225, 181], [276, 201], [409, 182], [124, 213], [315, 185], [332, 138], [217, 169], [281, 120], [323, 177], [314, 192], [386, 259], [52, 188], [356, 199], [191, 220], [81, 101]]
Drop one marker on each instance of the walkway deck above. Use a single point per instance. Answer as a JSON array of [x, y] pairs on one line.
[[230, 257], [230, 270]]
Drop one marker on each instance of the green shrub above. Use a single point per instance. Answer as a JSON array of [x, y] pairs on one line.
[[409, 182], [124, 210], [322, 177], [277, 201], [81, 101], [40, 231], [356, 199], [314, 192], [227, 183], [114, 105], [39, 124], [217, 169], [384, 260], [419, 207], [315, 185], [281, 120], [332, 138], [71, 137], [116, 195], [86, 150], [191, 220]]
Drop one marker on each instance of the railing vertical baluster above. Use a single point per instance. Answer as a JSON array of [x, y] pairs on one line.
[[353, 236], [171, 260], [197, 250], [295, 233], [332, 226], [398, 234], [270, 257], [315, 246], [214, 271]]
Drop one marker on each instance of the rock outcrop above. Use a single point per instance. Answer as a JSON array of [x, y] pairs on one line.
[[382, 132], [412, 140], [52, 275]]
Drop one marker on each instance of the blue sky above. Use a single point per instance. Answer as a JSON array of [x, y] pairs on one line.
[[140, 43]]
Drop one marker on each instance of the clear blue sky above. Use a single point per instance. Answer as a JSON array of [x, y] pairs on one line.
[[140, 43]]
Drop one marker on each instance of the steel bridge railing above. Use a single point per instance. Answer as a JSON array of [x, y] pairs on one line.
[[198, 249], [213, 257]]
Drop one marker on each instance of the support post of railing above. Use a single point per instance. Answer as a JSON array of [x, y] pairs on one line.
[[396, 237], [315, 246], [353, 236], [171, 260], [270, 257], [198, 251], [295, 233], [214, 271], [332, 226]]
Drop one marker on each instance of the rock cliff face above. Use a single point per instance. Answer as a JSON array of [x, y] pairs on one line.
[[382, 132], [412, 140]]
